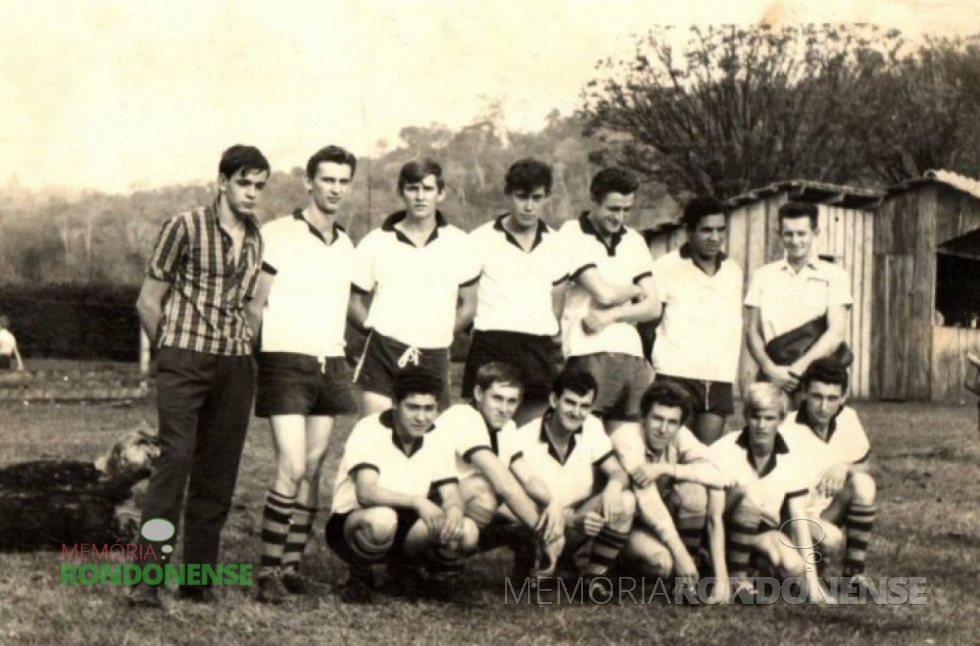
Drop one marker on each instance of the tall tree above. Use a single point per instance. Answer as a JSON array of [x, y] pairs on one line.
[[736, 108]]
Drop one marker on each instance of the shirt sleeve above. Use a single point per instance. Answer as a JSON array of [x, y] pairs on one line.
[[642, 258], [858, 448], [170, 247], [359, 452], [577, 255], [469, 260], [271, 249], [599, 444], [690, 448], [753, 297], [443, 464], [364, 276], [661, 277], [839, 288]]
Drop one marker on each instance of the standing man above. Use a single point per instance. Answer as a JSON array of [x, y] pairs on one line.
[[699, 339], [521, 288], [611, 290], [203, 271], [798, 295], [304, 381], [421, 273]]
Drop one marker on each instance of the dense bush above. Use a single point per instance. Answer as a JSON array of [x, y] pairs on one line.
[[73, 321]]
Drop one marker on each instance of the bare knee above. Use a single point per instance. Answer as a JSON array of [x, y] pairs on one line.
[[380, 524], [862, 487]]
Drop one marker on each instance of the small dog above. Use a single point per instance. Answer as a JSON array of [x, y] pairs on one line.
[[46, 503]]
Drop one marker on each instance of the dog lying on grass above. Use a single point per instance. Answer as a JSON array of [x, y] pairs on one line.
[[49, 503]]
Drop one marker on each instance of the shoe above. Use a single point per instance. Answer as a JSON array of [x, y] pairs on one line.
[[744, 592], [860, 582], [440, 586], [296, 583], [272, 589], [601, 589], [358, 588], [196, 594], [144, 595]]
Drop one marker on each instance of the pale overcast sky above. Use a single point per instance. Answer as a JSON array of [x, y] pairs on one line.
[[112, 95]]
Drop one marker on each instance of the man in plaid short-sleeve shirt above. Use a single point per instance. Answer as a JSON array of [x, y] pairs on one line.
[[200, 278]]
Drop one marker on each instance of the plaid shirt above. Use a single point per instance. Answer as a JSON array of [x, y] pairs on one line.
[[204, 310]]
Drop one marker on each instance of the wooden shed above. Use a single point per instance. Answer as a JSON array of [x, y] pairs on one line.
[[927, 288], [846, 237]]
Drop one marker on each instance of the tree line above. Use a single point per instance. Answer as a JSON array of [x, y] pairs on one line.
[[716, 111]]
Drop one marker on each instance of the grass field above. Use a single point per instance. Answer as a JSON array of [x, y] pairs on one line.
[[928, 526]]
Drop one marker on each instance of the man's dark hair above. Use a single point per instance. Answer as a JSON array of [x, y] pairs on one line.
[[702, 207], [416, 380], [826, 370], [334, 154], [665, 393], [498, 372], [526, 175], [794, 210], [242, 158], [612, 180], [417, 170], [579, 382]]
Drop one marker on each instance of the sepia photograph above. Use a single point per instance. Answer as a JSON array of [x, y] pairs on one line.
[[555, 321]]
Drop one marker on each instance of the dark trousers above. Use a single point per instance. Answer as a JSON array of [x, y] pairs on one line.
[[204, 403]]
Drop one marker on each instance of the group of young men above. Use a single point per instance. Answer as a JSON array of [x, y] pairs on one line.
[[618, 452]]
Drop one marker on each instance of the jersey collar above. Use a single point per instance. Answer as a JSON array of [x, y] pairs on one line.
[[494, 444], [393, 219], [544, 438], [589, 229], [803, 417], [387, 419], [298, 215], [779, 448], [685, 252], [498, 224]]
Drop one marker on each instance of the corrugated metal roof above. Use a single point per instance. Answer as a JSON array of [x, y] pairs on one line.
[[818, 192], [959, 182]]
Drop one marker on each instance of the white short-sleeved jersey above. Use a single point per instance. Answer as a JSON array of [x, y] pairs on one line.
[[626, 260], [787, 299], [415, 288], [846, 442], [462, 426], [514, 293], [783, 477], [372, 444], [573, 480], [307, 308], [700, 333]]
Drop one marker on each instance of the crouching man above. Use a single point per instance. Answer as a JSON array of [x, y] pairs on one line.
[[482, 432], [842, 493], [382, 511], [678, 467], [751, 517], [569, 451]]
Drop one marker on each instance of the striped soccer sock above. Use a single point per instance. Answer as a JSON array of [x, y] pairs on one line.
[[275, 528], [691, 530], [299, 535], [605, 550], [743, 527], [858, 522]]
